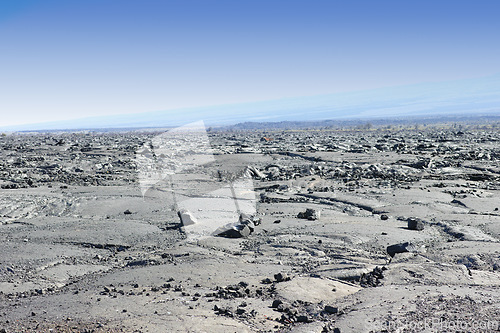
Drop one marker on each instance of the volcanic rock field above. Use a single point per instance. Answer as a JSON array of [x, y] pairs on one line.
[[385, 229]]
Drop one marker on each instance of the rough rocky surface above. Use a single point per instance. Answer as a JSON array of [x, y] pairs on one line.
[[83, 250]]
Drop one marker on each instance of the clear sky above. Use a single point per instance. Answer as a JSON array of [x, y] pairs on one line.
[[64, 59]]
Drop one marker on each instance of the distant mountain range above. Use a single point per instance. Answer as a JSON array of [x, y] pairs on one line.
[[479, 96]]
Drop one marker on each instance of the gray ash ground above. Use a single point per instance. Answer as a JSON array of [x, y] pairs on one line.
[[81, 249]]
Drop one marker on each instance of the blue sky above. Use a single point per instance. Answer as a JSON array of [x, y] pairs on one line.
[[72, 59]]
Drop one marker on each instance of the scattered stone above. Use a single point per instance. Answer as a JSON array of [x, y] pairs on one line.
[[384, 217], [186, 217], [415, 224], [331, 309], [243, 228], [372, 279], [303, 319], [223, 311], [281, 277], [267, 281], [127, 212], [12, 186], [242, 284], [276, 303], [400, 248], [237, 231], [458, 203], [310, 214]]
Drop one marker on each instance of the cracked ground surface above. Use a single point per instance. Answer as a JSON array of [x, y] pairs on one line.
[[82, 250]]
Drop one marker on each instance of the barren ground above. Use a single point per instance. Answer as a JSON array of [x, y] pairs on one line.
[[82, 250]]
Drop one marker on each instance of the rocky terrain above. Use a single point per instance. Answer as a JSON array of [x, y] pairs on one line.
[[385, 229]]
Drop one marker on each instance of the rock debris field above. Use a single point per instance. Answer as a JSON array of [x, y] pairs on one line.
[[377, 230]]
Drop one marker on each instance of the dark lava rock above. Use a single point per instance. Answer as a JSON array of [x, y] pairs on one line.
[[10, 186], [415, 224], [303, 319], [243, 284], [232, 291], [384, 217], [310, 214], [266, 281], [276, 303], [280, 277], [237, 231], [458, 203], [245, 226], [127, 212], [400, 248], [372, 279], [331, 309], [223, 311]]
